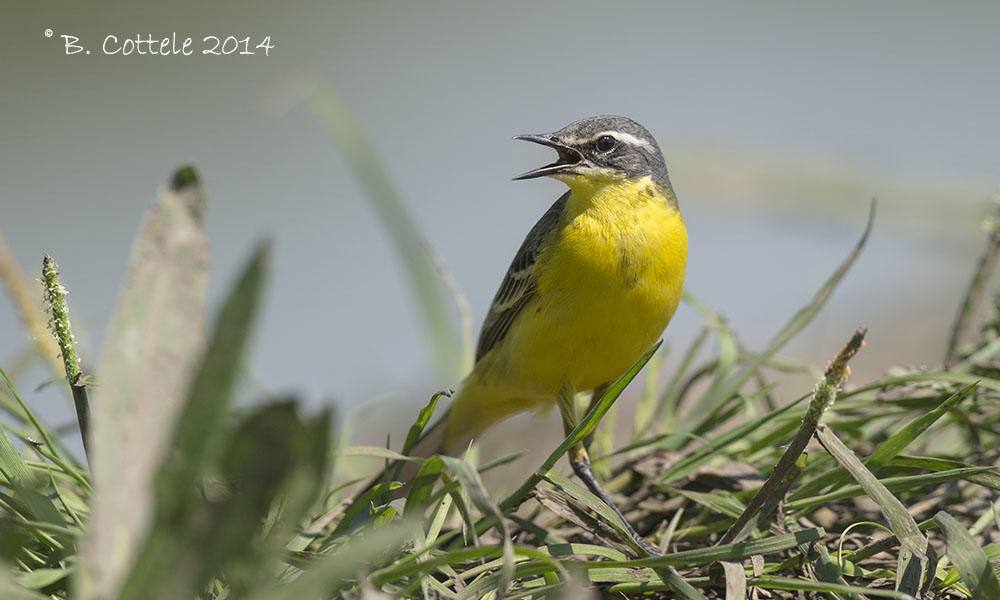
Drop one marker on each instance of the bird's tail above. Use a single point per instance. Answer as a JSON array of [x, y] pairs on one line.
[[477, 406]]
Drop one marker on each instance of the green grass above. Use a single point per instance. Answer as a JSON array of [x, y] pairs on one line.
[[887, 489]]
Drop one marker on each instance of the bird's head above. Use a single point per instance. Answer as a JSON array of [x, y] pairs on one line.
[[601, 148]]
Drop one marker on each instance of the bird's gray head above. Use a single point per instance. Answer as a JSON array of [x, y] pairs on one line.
[[606, 147]]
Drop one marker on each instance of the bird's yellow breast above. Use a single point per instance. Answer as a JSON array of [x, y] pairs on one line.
[[608, 282]]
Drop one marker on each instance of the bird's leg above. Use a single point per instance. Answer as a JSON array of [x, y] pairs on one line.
[[579, 459]]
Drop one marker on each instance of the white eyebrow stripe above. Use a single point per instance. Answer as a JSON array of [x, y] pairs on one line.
[[628, 138]]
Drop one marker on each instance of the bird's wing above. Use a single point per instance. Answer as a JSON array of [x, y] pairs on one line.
[[518, 285]]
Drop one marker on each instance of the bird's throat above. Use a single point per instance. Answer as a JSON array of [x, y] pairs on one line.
[[614, 198]]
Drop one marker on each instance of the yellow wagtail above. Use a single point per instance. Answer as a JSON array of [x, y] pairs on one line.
[[592, 287]]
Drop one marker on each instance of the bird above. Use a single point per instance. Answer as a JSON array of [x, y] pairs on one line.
[[589, 291]]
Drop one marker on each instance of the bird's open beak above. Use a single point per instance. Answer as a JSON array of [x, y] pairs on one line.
[[569, 157]]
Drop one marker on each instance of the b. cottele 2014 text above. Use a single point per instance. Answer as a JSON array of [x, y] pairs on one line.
[[172, 45]]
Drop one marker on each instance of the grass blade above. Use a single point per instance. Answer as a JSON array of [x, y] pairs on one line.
[[666, 409], [790, 583], [903, 526], [11, 590], [685, 466], [902, 483], [727, 552], [910, 575], [984, 476], [789, 466], [595, 504], [646, 407], [969, 558], [197, 441], [584, 428], [26, 497], [155, 335], [423, 484], [828, 572], [890, 448], [12, 465], [736, 580], [411, 248], [975, 293], [723, 390], [331, 573], [55, 302], [679, 586], [423, 417], [472, 483]]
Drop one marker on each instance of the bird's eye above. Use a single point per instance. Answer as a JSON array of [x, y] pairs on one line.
[[605, 143]]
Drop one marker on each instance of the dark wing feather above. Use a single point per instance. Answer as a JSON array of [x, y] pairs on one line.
[[518, 285]]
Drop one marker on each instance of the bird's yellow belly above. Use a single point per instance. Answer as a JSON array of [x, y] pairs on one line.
[[605, 294]]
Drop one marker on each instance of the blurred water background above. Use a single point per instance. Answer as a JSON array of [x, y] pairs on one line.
[[779, 121]]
